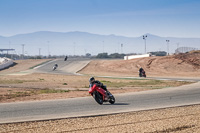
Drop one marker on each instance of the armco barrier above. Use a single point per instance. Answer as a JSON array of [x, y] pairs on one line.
[[5, 62]]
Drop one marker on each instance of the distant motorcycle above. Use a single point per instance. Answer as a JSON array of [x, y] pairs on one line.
[[142, 74], [55, 67], [100, 95], [65, 58]]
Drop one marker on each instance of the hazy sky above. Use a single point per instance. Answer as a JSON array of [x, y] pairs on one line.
[[131, 18]]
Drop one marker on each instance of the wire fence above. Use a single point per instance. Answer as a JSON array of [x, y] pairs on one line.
[[184, 49]]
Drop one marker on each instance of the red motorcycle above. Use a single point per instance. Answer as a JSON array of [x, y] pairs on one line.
[[100, 95]]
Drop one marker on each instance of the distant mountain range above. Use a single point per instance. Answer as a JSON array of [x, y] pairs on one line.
[[80, 43]]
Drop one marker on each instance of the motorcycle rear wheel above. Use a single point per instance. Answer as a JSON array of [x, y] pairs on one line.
[[112, 100], [111, 97]]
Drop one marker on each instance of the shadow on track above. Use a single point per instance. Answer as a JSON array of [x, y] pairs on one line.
[[118, 104]]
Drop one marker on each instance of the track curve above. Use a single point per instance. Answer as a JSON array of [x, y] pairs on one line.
[[86, 106]]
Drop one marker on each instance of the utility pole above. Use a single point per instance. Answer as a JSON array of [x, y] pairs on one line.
[[23, 51], [48, 52], [39, 51], [103, 46], [145, 49], [74, 48], [167, 46], [121, 48], [9, 44]]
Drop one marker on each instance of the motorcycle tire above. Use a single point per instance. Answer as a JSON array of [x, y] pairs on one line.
[[98, 98], [112, 100], [111, 97]]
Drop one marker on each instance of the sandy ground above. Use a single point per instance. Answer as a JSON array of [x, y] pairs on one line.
[[29, 87], [182, 65], [180, 119]]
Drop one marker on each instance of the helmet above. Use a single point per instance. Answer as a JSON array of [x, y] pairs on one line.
[[92, 79]]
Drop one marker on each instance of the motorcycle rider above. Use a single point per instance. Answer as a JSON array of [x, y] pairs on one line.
[[140, 71], [98, 83], [95, 85], [65, 58], [56, 65]]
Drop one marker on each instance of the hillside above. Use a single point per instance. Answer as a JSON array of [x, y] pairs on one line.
[[181, 65]]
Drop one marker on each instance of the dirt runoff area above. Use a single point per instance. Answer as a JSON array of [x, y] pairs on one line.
[[181, 65], [184, 119]]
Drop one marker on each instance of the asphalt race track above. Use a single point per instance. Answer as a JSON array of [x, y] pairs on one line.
[[86, 106], [71, 66]]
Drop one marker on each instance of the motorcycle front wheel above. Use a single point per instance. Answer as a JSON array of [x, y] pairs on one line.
[[98, 98]]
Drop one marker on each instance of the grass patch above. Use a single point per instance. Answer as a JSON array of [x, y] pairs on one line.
[[86, 86], [148, 83], [52, 91], [12, 81], [16, 81], [80, 90], [105, 82], [14, 95], [29, 92]]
